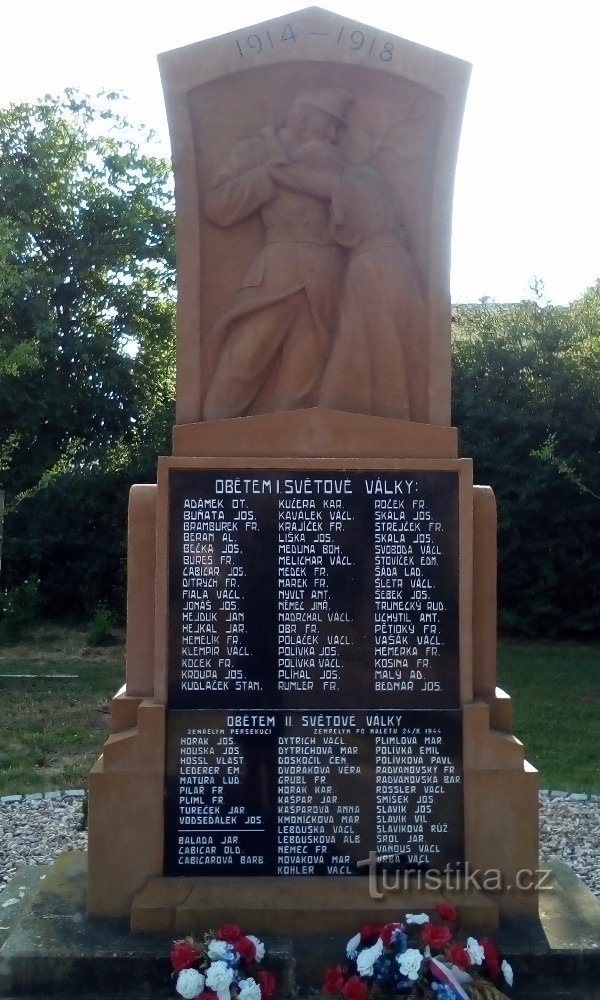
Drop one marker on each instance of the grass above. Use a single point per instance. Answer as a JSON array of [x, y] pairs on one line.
[[53, 729], [555, 687]]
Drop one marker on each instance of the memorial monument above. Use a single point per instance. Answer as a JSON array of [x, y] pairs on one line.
[[310, 725]]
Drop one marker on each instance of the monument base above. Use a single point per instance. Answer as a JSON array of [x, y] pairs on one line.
[[51, 948], [298, 905]]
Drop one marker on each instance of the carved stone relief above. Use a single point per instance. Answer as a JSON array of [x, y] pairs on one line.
[[331, 309]]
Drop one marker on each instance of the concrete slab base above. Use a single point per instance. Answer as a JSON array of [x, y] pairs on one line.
[[187, 906], [54, 950]]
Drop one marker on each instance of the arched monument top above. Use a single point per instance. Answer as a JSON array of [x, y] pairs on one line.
[[349, 258]]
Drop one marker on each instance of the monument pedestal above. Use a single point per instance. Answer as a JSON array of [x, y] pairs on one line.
[[127, 786]]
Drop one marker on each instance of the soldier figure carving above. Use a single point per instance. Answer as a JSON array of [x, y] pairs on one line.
[[330, 312], [272, 344]]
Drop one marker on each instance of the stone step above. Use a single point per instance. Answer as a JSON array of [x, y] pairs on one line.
[[54, 951]]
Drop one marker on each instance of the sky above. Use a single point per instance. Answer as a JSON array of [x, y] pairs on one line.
[[526, 202]]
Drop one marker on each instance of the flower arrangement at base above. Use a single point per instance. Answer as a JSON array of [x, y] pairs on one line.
[[224, 966], [417, 959]]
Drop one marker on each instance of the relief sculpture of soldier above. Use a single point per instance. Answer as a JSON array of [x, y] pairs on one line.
[[273, 342], [331, 312]]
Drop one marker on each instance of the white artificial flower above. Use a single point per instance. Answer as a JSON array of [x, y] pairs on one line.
[[217, 950], [218, 978], [352, 946], [260, 948], [410, 963], [367, 958], [249, 989], [507, 972], [417, 918], [476, 952], [190, 983]]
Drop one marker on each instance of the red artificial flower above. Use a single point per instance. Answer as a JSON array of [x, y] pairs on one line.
[[206, 995], [245, 948], [184, 954], [229, 933], [460, 956], [491, 957], [267, 983], [368, 931], [387, 932], [446, 911], [436, 936], [355, 989], [333, 981]]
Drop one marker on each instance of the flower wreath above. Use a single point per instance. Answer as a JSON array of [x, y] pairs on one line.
[[418, 960], [225, 966]]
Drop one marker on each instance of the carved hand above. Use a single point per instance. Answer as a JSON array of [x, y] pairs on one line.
[[295, 177]]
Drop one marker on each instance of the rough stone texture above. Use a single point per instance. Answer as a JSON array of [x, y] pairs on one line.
[[35, 831]]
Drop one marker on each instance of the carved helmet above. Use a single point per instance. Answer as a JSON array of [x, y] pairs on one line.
[[333, 101]]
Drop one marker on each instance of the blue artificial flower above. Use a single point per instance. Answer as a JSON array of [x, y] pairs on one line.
[[384, 970], [231, 957], [399, 941], [443, 992], [401, 983]]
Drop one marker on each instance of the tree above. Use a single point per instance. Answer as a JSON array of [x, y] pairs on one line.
[[525, 391], [86, 271], [86, 328]]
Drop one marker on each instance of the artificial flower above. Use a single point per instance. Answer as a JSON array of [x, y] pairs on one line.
[[417, 918], [446, 911], [228, 932], [249, 989], [460, 956], [352, 946], [333, 980], [267, 983], [507, 972], [436, 936], [476, 953], [218, 978], [389, 933], [491, 958], [184, 954], [409, 963], [207, 995], [443, 992], [218, 951], [190, 983], [355, 989], [246, 948], [369, 931], [259, 948], [367, 958]]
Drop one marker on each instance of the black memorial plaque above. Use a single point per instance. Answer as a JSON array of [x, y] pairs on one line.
[[303, 589], [312, 792]]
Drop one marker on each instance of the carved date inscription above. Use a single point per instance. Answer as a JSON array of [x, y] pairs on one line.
[[349, 37]]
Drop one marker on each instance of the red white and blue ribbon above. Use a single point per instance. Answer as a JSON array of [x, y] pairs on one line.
[[443, 974]]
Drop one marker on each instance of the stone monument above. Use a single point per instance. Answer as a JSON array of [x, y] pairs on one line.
[[310, 727]]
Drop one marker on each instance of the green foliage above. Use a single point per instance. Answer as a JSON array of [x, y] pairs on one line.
[[100, 630], [556, 717], [86, 270], [86, 339], [18, 606], [526, 402]]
